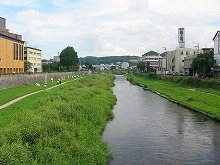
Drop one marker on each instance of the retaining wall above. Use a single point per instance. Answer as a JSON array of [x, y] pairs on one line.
[[12, 80]]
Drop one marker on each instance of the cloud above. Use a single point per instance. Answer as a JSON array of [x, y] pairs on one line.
[[101, 27], [138, 6], [19, 3]]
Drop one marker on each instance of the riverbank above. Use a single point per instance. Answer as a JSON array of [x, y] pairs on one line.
[[203, 100], [60, 126]]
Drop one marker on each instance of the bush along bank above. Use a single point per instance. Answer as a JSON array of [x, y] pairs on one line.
[[65, 128], [199, 99], [184, 80]]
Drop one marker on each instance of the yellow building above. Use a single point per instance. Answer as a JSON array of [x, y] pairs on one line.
[[11, 51]]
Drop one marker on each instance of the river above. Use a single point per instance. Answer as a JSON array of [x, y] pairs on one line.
[[148, 129]]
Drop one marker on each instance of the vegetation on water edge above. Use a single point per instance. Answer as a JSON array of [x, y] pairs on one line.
[[184, 80], [64, 128], [203, 100]]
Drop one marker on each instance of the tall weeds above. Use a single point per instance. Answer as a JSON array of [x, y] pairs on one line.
[[66, 128]]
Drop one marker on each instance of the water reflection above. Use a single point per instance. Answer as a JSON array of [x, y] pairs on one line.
[[148, 129]]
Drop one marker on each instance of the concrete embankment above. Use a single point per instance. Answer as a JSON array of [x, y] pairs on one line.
[[12, 80]]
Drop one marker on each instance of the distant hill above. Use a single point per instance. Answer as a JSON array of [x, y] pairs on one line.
[[132, 60]]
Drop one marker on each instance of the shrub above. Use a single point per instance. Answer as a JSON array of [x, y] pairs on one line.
[[152, 75], [210, 83]]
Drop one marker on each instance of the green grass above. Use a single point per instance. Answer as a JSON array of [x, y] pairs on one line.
[[206, 101], [9, 94], [60, 126]]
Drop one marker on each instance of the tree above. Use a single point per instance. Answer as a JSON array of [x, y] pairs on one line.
[[141, 66], [69, 58], [27, 66], [54, 66], [88, 66], [51, 67], [145, 67], [203, 63], [149, 68]]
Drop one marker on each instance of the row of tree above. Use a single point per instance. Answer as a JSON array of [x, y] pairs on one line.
[[69, 61], [132, 60]]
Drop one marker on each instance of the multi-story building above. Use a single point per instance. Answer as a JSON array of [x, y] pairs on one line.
[[11, 50], [152, 57], [216, 40], [124, 65], [56, 58], [34, 58], [162, 64], [179, 60]]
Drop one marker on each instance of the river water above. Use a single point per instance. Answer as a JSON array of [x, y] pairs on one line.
[[148, 129]]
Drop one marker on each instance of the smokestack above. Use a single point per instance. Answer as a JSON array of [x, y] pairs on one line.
[[2, 24]]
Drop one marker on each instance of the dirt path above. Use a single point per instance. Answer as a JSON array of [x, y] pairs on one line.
[[15, 100]]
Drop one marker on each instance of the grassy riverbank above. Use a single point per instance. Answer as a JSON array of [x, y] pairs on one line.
[[203, 100], [60, 126], [9, 94]]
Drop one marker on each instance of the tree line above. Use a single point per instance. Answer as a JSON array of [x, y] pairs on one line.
[[69, 61]]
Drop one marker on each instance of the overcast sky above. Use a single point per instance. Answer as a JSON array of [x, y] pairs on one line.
[[111, 27]]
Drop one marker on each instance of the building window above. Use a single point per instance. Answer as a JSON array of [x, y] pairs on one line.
[[30, 52], [20, 52], [15, 51]]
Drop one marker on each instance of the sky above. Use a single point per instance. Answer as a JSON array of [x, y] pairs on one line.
[[111, 27]]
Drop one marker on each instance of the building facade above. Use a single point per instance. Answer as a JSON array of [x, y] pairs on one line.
[[153, 58], [179, 60], [11, 50], [124, 65], [56, 58], [34, 58], [216, 40], [162, 64]]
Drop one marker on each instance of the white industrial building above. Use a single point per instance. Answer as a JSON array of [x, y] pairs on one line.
[[179, 60]]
